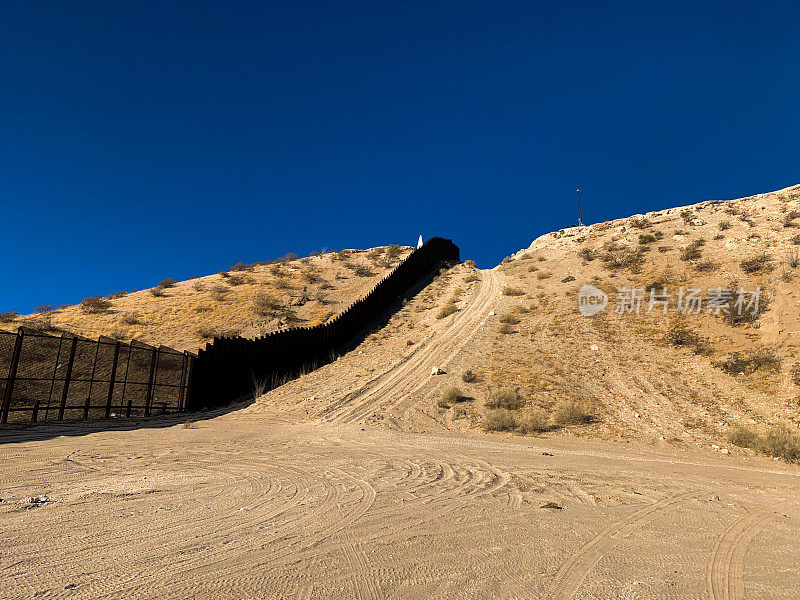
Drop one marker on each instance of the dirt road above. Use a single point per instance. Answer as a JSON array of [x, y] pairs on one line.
[[250, 505]]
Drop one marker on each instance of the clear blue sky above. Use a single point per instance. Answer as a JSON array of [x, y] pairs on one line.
[[144, 140]]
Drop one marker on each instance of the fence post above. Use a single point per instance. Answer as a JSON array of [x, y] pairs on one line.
[[182, 388], [67, 377], [91, 382], [149, 396], [12, 375], [111, 382]]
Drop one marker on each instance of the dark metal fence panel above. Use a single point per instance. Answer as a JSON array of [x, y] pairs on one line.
[[47, 378], [227, 368]]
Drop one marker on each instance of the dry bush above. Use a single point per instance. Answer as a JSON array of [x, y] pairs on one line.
[[506, 329], [393, 252], [471, 277], [759, 263], [570, 412], [544, 275], [796, 374], [450, 395], [131, 319], [469, 263], [512, 291], [724, 225], [447, 310], [242, 267], [639, 222], [237, 279], [792, 259], [219, 292], [282, 283], [44, 308], [692, 251], [8, 317], [587, 254], [167, 283], [95, 305], [310, 276], [533, 421], [158, 291], [647, 238], [362, 271], [510, 319], [499, 420], [265, 305], [198, 286], [778, 440], [680, 334], [469, 376], [621, 257], [506, 399], [750, 361], [116, 295], [705, 266]]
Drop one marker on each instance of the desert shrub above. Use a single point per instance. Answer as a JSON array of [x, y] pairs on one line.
[[450, 395], [310, 276], [533, 421], [287, 257], [646, 238], [778, 440], [680, 334], [735, 317], [664, 248], [796, 240], [639, 222], [393, 252], [587, 254], [447, 310], [692, 251], [792, 259], [198, 286], [282, 283], [505, 329], [242, 267], [207, 332], [705, 266], [506, 399], [288, 315], [544, 275], [167, 283], [724, 225], [117, 295], [532, 268], [94, 305], [8, 317], [469, 376], [759, 359], [621, 257], [469, 263], [570, 412], [130, 319], [362, 271], [512, 291], [719, 236], [265, 305], [796, 373], [219, 291], [237, 279], [471, 277], [499, 420], [158, 291], [43, 309], [687, 215], [510, 319], [758, 263]]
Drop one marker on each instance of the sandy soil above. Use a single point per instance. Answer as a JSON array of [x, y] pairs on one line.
[[349, 483]]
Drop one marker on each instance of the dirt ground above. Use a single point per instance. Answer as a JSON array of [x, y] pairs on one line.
[[350, 483]]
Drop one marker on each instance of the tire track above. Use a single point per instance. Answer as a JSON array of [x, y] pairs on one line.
[[724, 578], [571, 575], [411, 374]]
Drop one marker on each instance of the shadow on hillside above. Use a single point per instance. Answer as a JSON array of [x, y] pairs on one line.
[[12, 434]]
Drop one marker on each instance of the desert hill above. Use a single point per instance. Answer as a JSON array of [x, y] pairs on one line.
[[537, 365], [248, 300]]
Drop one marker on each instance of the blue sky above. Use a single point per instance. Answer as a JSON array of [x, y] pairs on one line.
[[144, 140]]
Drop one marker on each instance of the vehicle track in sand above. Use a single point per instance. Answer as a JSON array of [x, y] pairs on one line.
[[392, 389]]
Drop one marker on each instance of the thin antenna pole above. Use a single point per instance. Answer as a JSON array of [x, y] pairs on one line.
[[580, 215]]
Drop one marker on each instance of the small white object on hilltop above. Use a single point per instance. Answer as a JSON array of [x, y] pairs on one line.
[[419, 242]]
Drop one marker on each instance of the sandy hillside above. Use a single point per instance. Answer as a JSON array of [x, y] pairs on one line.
[[248, 300], [551, 456]]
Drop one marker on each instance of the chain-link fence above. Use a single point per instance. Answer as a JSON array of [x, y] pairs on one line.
[[48, 378]]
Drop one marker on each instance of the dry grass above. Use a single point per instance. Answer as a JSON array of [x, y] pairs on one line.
[[778, 440], [499, 420], [505, 399], [571, 412]]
